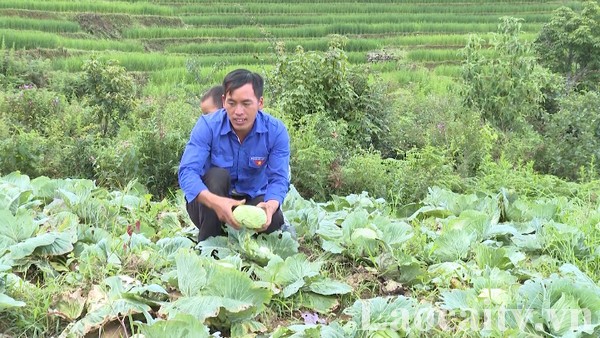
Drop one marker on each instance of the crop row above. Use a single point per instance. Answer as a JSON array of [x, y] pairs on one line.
[[210, 2], [145, 8], [45, 25], [150, 62], [359, 18], [317, 30], [36, 39]]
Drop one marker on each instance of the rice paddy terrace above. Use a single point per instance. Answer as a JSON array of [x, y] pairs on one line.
[[161, 37]]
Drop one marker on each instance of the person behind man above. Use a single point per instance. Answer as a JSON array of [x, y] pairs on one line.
[[237, 155], [212, 100]]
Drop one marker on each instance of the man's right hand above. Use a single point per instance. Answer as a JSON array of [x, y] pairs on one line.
[[222, 206]]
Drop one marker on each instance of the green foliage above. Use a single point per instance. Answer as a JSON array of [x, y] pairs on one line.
[[306, 83], [444, 122], [522, 179], [318, 146], [33, 108], [23, 151], [44, 134], [424, 168], [570, 45], [110, 92], [116, 161], [507, 86], [367, 171], [149, 149], [572, 136], [17, 70]]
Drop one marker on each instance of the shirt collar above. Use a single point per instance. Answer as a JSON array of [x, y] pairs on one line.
[[258, 127]]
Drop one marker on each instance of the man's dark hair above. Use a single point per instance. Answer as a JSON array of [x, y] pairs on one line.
[[216, 93], [240, 77]]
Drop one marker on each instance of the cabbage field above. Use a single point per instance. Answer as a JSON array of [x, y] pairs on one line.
[[77, 259], [444, 158]]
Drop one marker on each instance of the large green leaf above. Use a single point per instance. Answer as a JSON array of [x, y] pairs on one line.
[[319, 303], [181, 326], [470, 221], [465, 300], [327, 287], [217, 287], [291, 274], [168, 247], [560, 318], [333, 330], [229, 283], [44, 187], [8, 302], [191, 273], [218, 245], [523, 210], [394, 233], [451, 201], [14, 229], [49, 243], [264, 247], [377, 313], [453, 245], [203, 307]]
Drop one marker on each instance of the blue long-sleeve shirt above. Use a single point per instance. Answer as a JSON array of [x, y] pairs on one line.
[[259, 165]]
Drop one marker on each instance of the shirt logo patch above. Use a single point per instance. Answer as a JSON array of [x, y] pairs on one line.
[[258, 161]]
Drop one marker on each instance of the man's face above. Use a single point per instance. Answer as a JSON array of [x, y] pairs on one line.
[[208, 106], [242, 106]]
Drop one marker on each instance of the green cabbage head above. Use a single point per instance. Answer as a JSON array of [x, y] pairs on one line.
[[250, 216]]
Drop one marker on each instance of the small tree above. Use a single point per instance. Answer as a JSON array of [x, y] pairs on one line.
[[305, 83], [570, 45], [507, 85], [110, 92]]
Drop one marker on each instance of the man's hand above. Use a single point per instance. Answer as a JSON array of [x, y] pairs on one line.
[[270, 207], [223, 207]]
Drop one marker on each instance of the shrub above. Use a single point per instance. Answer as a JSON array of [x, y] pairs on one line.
[[423, 168], [305, 83], [33, 108], [110, 92], [572, 136], [443, 122], [17, 70], [149, 149], [367, 171], [508, 87], [318, 148], [23, 151]]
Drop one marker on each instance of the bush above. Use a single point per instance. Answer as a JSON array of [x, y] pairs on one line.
[[150, 149], [572, 136], [33, 108], [443, 122], [508, 87], [521, 178], [18, 70], [318, 147], [306, 83], [367, 171], [110, 92], [23, 151], [423, 168]]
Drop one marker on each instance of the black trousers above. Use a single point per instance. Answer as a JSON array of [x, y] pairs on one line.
[[218, 181]]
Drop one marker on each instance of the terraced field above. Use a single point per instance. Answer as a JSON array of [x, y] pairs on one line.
[[162, 38]]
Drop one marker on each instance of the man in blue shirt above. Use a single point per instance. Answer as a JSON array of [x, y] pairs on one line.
[[239, 154]]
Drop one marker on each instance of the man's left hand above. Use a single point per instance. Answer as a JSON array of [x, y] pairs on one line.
[[270, 207]]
